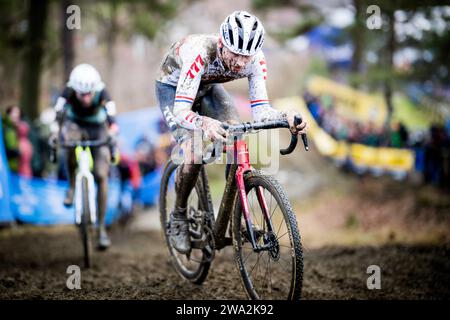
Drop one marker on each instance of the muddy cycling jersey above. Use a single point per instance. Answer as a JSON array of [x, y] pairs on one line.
[[193, 63]]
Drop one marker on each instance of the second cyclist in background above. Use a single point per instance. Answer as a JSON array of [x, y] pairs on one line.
[[86, 107]]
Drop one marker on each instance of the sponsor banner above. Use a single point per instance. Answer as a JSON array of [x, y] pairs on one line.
[[5, 211], [353, 103], [40, 201]]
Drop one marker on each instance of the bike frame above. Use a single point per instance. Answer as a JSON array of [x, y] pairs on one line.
[[84, 160], [234, 188]]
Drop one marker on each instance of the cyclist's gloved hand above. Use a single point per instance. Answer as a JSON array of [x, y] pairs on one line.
[[213, 130], [113, 132], [301, 128]]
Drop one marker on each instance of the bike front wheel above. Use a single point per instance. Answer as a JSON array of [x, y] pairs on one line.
[[85, 226], [275, 271]]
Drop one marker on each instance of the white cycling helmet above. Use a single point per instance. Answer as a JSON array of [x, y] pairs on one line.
[[84, 78], [242, 33]]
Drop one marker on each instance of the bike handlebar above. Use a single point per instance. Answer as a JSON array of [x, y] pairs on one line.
[[85, 143], [272, 124], [55, 142]]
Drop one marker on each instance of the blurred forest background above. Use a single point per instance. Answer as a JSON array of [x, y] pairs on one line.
[[126, 40]]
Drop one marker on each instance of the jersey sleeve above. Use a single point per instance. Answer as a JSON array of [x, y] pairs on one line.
[[109, 105], [62, 99], [259, 101], [188, 84]]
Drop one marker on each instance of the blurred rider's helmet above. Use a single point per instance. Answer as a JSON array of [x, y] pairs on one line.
[[242, 33], [84, 78]]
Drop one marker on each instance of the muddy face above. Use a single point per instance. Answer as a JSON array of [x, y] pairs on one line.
[[233, 61]]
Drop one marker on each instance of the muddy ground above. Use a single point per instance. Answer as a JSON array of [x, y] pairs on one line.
[[33, 263]]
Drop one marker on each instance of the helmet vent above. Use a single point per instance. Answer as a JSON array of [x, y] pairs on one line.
[[249, 45], [258, 42], [238, 22], [241, 42], [230, 34]]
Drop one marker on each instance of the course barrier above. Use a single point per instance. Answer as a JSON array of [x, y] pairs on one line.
[[360, 157], [356, 104], [5, 212], [40, 201]]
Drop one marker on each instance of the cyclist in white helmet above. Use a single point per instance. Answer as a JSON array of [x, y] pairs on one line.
[[85, 106], [189, 85]]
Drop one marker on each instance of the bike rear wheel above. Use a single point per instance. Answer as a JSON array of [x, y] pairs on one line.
[[85, 226], [195, 265], [275, 272]]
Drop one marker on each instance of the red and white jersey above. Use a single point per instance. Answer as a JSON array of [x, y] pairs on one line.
[[195, 61]]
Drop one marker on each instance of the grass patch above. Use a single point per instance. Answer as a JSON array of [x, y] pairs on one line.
[[413, 117]]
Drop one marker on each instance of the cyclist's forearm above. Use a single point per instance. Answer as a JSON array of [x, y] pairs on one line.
[[59, 105], [267, 112], [188, 119], [111, 111]]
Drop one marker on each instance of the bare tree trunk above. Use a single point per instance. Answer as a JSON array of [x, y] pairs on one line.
[[67, 40], [389, 55], [34, 52], [111, 38], [358, 41]]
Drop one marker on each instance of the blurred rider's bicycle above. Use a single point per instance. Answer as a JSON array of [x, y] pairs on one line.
[[256, 212], [85, 196]]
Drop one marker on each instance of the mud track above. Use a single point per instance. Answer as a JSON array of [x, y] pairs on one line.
[[33, 263]]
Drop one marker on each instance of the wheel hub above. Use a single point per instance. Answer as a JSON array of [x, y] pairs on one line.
[[271, 242]]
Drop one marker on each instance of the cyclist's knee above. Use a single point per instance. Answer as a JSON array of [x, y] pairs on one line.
[[190, 168]]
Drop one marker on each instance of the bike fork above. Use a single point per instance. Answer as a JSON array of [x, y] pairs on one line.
[[241, 157]]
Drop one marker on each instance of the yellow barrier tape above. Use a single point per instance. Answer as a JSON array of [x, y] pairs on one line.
[[361, 155], [355, 104]]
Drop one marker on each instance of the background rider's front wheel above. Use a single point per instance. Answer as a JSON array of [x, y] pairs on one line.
[[193, 266], [277, 271], [85, 226]]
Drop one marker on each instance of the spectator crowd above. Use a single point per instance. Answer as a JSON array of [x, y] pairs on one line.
[[431, 147]]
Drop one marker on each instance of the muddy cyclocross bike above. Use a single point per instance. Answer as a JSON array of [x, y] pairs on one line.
[[255, 217], [85, 195]]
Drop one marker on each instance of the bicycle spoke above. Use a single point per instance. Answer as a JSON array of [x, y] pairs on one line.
[[274, 210], [278, 238], [248, 256], [259, 255], [281, 223], [285, 260], [257, 279], [267, 269]]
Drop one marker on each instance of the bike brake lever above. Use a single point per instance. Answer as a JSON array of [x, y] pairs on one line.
[[305, 141]]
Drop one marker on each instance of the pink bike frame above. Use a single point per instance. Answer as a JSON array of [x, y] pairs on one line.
[[242, 159]]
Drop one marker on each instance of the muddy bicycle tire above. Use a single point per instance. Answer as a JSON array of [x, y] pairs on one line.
[[85, 226], [291, 290]]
